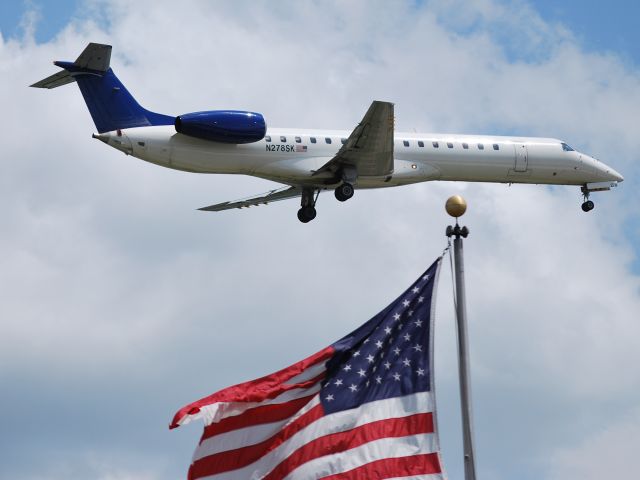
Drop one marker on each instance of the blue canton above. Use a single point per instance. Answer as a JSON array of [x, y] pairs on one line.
[[386, 357]]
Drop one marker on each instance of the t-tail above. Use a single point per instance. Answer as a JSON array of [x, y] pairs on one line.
[[111, 105]]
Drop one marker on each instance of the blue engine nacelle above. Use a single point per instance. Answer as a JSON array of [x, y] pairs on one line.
[[226, 126]]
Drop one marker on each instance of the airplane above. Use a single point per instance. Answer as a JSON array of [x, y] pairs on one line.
[[307, 162]]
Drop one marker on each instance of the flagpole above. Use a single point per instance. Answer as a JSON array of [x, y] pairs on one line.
[[456, 206]]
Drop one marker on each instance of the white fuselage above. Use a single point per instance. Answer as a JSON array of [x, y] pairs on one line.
[[290, 156]]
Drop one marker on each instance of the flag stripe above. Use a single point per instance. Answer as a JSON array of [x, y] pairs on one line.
[[410, 447], [241, 457], [337, 422], [256, 416], [215, 413], [312, 372], [342, 441], [252, 392], [391, 468]]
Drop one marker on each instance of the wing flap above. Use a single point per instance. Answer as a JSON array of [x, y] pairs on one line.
[[262, 199], [369, 148]]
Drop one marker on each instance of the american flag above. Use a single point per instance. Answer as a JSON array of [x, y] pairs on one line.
[[362, 408]]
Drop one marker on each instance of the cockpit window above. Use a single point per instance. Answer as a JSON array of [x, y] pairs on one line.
[[567, 148]]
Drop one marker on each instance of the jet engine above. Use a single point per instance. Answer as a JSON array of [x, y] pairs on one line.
[[226, 126]]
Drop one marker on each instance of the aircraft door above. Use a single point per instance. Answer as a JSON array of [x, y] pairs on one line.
[[522, 157]]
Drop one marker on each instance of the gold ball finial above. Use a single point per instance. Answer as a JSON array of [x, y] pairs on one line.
[[456, 206]]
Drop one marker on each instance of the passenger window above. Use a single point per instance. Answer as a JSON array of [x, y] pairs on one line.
[[496, 146], [449, 144], [283, 139], [465, 146], [267, 138], [298, 139], [405, 143], [343, 140], [420, 143], [480, 146], [313, 139], [435, 144], [327, 139]]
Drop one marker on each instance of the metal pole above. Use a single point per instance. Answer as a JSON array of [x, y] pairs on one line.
[[463, 357]]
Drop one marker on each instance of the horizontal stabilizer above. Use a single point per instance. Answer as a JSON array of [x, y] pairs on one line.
[[55, 80], [262, 199], [96, 57]]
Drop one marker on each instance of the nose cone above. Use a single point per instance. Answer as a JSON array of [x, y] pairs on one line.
[[602, 171], [609, 174], [616, 176]]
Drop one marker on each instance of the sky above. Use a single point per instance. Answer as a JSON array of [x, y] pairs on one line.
[[120, 303]]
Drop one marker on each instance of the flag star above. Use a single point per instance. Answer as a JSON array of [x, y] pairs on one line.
[[410, 312], [387, 365], [426, 277], [396, 351], [347, 367], [356, 353], [362, 373], [407, 337], [329, 398], [418, 323], [396, 377], [396, 316], [353, 388], [374, 368], [420, 371], [417, 348], [378, 379], [387, 330], [338, 382], [420, 299], [400, 325], [366, 340], [406, 362], [370, 358], [382, 354], [415, 289], [379, 344], [367, 383], [405, 303]]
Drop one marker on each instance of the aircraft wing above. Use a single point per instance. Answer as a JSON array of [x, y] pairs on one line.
[[369, 148], [262, 199]]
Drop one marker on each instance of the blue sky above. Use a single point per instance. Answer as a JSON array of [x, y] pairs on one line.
[[600, 26], [119, 302]]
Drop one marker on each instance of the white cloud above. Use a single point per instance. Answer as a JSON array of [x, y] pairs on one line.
[[609, 453], [112, 283]]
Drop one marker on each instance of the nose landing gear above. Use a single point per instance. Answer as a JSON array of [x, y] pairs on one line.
[[587, 205]]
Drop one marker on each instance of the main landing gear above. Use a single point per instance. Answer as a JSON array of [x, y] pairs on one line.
[[308, 200], [344, 192], [587, 205], [309, 197]]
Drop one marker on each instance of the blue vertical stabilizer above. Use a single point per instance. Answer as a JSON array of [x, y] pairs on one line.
[[111, 105]]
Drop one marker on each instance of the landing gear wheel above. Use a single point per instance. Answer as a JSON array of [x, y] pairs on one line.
[[587, 206], [306, 214], [344, 192]]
